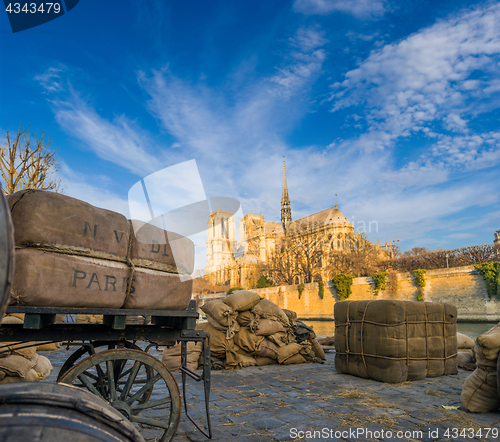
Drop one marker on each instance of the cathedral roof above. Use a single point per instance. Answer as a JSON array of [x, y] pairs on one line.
[[328, 216]]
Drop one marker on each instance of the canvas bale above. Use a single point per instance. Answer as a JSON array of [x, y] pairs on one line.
[[158, 249], [279, 338], [241, 300], [230, 331], [152, 289], [49, 347], [394, 341], [48, 219], [480, 392], [25, 349], [266, 309], [247, 360], [292, 316]]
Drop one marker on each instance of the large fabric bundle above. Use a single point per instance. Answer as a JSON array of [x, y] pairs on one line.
[[71, 254], [480, 393], [395, 341]]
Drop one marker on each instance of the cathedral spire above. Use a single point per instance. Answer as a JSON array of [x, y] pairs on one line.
[[286, 211]]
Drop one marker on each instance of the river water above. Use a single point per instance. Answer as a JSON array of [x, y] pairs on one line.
[[472, 329]]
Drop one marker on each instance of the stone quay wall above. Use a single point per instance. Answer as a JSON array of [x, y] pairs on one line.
[[463, 287]]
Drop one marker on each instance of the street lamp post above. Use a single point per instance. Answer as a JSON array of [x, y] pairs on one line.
[[447, 266]]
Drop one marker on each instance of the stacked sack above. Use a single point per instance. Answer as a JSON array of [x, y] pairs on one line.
[[71, 254], [246, 330], [480, 390], [19, 364], [465, 356]]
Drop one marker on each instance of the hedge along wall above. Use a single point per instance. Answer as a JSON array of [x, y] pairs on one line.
[[461, 286]]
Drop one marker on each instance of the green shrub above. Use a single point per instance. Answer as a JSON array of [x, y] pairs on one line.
[[232, 289], [342, 284], [264, 282], [420, 280], [379, 279], [321, 290], [491, 274], [301, 289]]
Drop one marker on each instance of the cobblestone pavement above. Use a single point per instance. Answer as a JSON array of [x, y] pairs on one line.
[[312, 402]]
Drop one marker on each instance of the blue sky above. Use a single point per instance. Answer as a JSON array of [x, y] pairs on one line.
[[393, 106]]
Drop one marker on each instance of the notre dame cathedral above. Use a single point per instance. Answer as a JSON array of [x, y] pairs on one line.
[[237, 263]]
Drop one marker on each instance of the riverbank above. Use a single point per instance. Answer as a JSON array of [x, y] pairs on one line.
[[314, 402]]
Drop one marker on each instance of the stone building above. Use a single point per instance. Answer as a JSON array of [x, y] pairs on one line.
[[237, 263]]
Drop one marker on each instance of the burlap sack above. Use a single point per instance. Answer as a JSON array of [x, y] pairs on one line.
[[288, 351], [171, 357], [247, 360], [157, 249], [280, 339], [295, 359], [265, 361], [483, 358], [464, 358], [89, 319], [15, 348], [489, 343], [52, 280], [247, 340], [480, 393], [395, 341], [317, 349], [266, 349], [230, 331], [12, 320], [31, 376], [221, 312], [220, 347], [55, 221], [241, 300], [266, 309], [292, 316], [247, 319], [490, 339], [49, 347], [15, 365], [464, 341], [268, 327], [43, 367]]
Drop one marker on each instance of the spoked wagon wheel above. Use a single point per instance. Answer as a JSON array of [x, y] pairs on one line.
[[124, 388], [89, 349]]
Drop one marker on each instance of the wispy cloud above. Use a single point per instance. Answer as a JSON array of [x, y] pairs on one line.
[[120, 141], [362, 9], [427, 83]]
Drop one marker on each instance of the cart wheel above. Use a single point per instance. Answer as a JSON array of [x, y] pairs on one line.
[[88, 350], [123, 389]]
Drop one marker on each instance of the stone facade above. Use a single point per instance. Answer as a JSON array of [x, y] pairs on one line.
[[463, 287]]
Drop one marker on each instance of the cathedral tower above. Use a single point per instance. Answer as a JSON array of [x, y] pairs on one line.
[[286, 211]]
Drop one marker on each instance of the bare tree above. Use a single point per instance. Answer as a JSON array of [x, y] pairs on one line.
[[27, 163]]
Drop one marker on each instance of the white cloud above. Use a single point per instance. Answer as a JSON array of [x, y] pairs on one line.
[[120, 141], [406, 86], [361, 9]]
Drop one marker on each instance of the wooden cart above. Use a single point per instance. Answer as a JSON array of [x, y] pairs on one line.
[[108, 360], [109, 363]]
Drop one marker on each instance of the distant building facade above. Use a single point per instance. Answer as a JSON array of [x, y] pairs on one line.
[[237, 263]]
